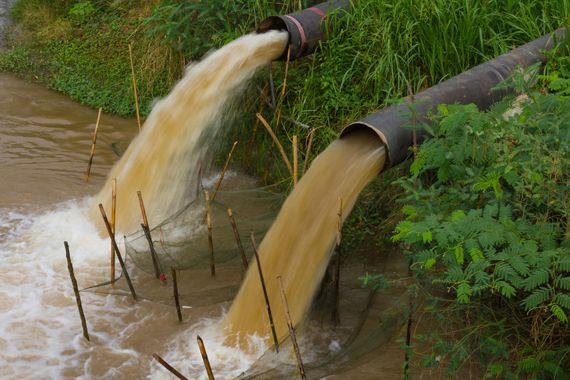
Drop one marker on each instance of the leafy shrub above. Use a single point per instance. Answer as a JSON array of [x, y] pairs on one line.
[[488, 214]]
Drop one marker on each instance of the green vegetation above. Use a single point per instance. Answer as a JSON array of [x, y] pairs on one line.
[[487, 218], [487, 198]]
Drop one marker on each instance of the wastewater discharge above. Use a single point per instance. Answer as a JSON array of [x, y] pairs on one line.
[[40, 334], [163, 160]]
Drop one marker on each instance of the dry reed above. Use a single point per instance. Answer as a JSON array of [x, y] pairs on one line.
[[88, 172], [223, 173], [276, 141], [295, 160], [135, 87], [308, 151]]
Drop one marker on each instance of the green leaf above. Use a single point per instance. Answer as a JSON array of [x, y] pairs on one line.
[[559, 313], [459, 256], [464, 293], [476, 254], [426, 236], [457, 215], [429, 263]]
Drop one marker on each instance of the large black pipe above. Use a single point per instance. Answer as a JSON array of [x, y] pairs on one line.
[[473, 86], [306, 28]]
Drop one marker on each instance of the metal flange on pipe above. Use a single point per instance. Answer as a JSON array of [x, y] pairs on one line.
[[306, 28]]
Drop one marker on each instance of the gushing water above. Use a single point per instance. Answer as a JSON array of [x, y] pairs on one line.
[[298, 245], [163, 160]]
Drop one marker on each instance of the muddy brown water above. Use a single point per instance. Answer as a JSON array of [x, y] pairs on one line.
[[45, 140]]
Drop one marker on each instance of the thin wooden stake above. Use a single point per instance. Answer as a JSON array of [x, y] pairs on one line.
[[88, 172], [210, 238], [266, 297], [117, 252], [276, 141], [221, 178], [176, 299], [135, 87], [205, 358], [169, 367], [238, 240], [76, 291], [295, 160], [113, 225], [308, 152], [291, 330], [146, 230]]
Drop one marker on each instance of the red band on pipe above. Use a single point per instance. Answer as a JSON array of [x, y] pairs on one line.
[[317, 11], [301, 32]]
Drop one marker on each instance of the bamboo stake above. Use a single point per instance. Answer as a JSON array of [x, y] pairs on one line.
[[210, 239], [113, 225], [295, 160], [276, 141], [117, 252], [205, 358], [135, 87], [169, 367], [88, 172], [146, 230], [309, 144], [266, 297], [76, 291], [291, 330], [221, 178], [238, 240], [176, 299]]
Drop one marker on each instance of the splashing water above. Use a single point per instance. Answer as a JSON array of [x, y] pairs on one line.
[[163, 160]]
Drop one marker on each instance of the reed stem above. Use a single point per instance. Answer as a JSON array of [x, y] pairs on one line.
[[135, 87], [295, 160], [265, 296], [176, 298], [276, 141], [205, 358], [272, 84], [308, 151], [238, 240], [113, 225], [210, 238], [117, 251], [335, 316], [76, 291], [146, 230], [221, 178], [169, 367], [291, 330], [88, 172]]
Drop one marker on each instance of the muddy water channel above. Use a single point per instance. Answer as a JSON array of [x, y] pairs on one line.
[[44, 146]]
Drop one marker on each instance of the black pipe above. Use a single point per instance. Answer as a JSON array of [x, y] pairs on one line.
[[306, 28], [472, 86]]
